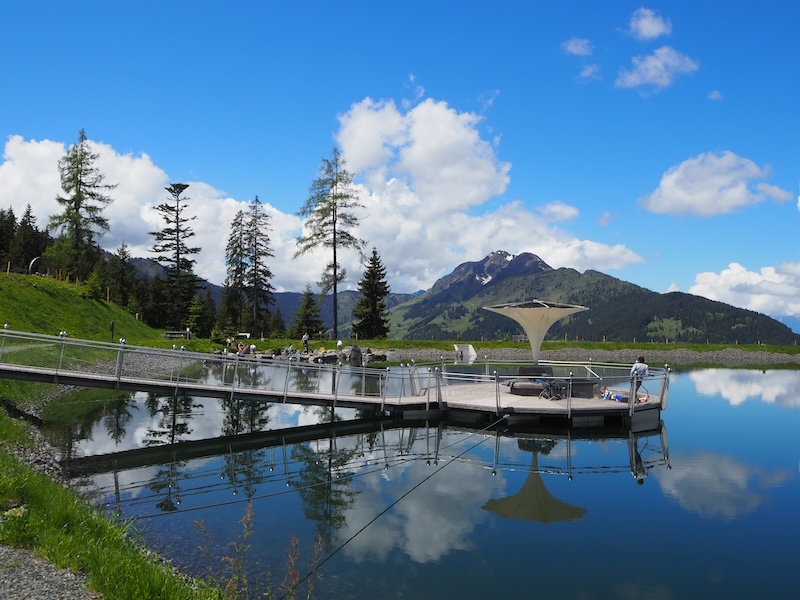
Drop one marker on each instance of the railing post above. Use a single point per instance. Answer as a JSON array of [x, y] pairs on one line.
[[235, 375], [286, 382], [178, 375], [384, 388], [632, 397], [438, 388], [497, 392], [120, 356], [336, 390], [428, 391], [61, 356], [569, 396]]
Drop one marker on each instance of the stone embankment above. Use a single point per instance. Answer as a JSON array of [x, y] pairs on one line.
[[729, 357]]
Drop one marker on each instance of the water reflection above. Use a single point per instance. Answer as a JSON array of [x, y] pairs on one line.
[[534, 502], [739, 385], [717, 486], [419, 503]]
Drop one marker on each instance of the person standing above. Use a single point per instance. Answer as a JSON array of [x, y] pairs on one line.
[[305, 342], [639, 371]]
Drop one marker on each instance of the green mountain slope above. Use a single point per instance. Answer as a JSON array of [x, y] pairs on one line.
[[619, 311]]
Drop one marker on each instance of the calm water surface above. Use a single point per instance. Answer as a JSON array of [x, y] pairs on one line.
[[704, 507]]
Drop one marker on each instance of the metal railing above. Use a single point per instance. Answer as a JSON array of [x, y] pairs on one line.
[[231, 373]]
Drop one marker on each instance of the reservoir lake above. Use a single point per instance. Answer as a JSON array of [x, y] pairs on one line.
[[704, 506]]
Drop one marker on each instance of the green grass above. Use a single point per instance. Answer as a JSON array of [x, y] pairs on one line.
[[61, 528]]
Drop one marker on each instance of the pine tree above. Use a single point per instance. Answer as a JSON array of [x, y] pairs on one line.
[[202, 314], [257, 275], [370, 309], [29, 243], [330, 221], [306, 319], [120, 275], [8, 230], [232, 303], [170, 247], [277, 327], [82, 220]]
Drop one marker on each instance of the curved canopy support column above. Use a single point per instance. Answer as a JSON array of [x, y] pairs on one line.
[[536, 317]]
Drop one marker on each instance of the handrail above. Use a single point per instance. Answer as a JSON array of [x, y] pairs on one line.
[[123, 364]]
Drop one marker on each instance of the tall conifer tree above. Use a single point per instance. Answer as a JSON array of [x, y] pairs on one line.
[[171, 248], [76, 251], [306, 319], [330, 221], [257, 275], [370, 309]]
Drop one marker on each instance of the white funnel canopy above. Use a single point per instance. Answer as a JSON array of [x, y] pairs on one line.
[[536, 317]]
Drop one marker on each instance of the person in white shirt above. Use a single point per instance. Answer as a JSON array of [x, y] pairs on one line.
[[639, 371]]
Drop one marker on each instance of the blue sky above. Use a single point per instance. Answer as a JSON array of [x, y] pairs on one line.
[[654, 142]]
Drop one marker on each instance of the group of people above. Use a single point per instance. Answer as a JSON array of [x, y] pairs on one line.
[[306, 338]]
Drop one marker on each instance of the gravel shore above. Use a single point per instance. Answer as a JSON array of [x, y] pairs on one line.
[[23, 576]]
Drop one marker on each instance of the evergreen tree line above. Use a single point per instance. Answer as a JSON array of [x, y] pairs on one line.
[[67, 248]]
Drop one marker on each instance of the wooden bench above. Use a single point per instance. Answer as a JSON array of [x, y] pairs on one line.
[[171, 335]]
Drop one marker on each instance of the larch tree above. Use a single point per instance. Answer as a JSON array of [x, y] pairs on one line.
[[370, 309], [171, 248], [330, 221], [76, 251]]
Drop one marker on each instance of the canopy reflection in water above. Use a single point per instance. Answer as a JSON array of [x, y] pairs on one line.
[[534, 502]]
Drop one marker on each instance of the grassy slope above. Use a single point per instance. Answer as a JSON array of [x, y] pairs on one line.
[[44, 305], [42, 515]]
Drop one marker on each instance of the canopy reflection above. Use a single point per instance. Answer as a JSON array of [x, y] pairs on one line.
[[534, 502]]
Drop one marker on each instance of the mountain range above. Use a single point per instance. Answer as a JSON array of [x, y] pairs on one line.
[[452, 309], [618, 311]]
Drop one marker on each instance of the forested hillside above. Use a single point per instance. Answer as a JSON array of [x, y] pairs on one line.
[[618, 311]]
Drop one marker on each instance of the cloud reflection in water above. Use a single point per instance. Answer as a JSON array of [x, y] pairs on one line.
[[716, 486]]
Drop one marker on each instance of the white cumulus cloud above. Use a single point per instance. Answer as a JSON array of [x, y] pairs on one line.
[[430, 182], [656, 70], [645, 24], [710, 184], [577, 46], [771, 290]]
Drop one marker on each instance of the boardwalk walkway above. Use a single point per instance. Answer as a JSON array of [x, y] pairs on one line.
[[420, 391]]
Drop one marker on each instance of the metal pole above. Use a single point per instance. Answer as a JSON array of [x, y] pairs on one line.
[[286, 382], [497, 392], [383, 388], [120, 356], [336, 391]]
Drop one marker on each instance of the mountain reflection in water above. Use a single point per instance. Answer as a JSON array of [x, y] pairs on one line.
[[418, 510]]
